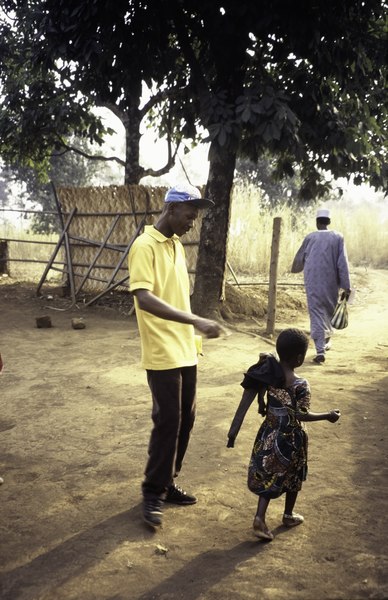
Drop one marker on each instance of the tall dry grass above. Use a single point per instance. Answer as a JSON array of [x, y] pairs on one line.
[[364, 226], [25, 251]]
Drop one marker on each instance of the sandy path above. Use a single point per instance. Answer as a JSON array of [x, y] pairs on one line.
[[74, 423]]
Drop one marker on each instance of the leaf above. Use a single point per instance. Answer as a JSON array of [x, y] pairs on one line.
[[275, 131], [246, 115], [257, 108]]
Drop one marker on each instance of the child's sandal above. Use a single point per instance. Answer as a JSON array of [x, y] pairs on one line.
[[292, 520]]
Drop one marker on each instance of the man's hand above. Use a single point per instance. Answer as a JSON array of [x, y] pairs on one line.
[[211, 329], [154, 305]]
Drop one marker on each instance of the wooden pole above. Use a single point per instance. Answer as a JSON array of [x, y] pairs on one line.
[[233, 273], [273, 275], [99, 251], [57, 248], [4, 258]]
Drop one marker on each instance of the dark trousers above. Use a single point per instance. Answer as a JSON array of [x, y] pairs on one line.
[[173, 413]]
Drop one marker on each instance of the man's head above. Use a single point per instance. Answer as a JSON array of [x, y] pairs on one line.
[[181, 208], [323, 218]]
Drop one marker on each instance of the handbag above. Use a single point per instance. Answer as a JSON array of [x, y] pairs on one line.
[[340, 318]]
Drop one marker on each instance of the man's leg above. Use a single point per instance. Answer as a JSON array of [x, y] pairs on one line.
[[165, 387], [175, 494], [317, 329], [320, 346], [189, 384]]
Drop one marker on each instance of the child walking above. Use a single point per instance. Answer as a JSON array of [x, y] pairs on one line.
[[278, 462]]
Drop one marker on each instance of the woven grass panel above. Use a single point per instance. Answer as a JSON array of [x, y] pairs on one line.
[[134, 199]]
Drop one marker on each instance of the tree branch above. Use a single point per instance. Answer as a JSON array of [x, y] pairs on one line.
[[91, 156], [116, 110], [159, 97], [170, 162]]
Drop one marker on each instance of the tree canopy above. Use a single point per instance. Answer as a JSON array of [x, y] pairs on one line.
[[309, 81], [62, 58], [305, 82], [302, 82], [36, 113]]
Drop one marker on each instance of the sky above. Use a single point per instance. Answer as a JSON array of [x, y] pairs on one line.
[[154, 152]]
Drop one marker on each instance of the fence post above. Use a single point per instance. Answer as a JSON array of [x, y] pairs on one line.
[[273, 275], [4, 256]]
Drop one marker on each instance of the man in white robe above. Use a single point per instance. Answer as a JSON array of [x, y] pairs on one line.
[[323, 259]]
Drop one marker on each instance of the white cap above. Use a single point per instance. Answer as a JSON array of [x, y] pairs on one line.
[[323, 212]]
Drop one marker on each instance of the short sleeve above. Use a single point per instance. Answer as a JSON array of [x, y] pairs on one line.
[[249, 383], [141, 267], [266, 371], [303, 396]]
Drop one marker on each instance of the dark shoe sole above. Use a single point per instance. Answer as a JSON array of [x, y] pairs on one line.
[[181, 503]]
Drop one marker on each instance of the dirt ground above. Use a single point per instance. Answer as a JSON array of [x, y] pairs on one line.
[[75, 422]]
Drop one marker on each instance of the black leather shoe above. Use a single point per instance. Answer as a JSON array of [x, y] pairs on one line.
[[152, 512], [175, 495]]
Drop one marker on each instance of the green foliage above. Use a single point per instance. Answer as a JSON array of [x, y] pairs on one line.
[[108, 52], [309, 87], [36, 114], [304, 82]]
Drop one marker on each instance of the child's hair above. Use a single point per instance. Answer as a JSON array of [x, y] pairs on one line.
[[290, 343]]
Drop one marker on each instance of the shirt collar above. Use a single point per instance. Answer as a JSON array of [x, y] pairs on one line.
[[157, 235]]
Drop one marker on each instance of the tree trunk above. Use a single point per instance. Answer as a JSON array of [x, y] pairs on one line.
[[131, 122], [212, 257]]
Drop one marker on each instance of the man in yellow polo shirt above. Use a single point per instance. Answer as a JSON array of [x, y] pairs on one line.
[[160, 283]]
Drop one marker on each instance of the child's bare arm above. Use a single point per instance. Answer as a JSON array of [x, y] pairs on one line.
[[245, 402], [332, 416]]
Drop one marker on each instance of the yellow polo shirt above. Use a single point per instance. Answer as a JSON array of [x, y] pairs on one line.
[[157, 263]]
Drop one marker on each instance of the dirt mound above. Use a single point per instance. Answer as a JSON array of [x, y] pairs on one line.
[[252, 301]]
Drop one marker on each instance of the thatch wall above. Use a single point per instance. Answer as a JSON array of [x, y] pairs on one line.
[[92, 222]]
